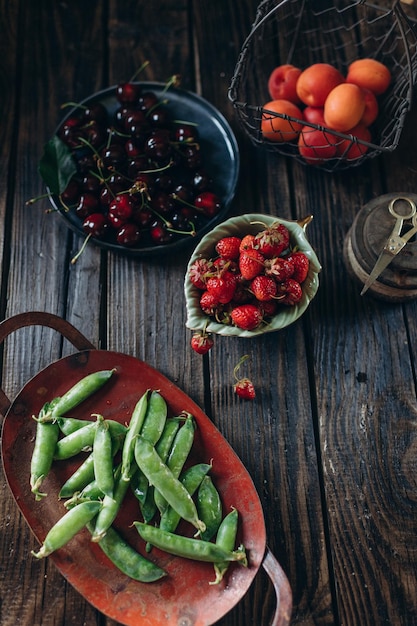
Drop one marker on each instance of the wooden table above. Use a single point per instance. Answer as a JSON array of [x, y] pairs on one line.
[[331, 440]]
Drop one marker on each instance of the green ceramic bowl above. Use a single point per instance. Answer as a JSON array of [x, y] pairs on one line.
[[240, 226]]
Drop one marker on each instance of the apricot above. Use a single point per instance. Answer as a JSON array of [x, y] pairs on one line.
[[278, 127], [344, 107], [316, 146], [282, 83], [316, 82], [369, 74], [314, 115], [351, 150], [371, 107]]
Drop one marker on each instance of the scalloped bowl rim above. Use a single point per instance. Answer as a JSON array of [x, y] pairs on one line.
[[196, 320]]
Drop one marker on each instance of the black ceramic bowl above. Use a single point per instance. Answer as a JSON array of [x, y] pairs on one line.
[[220, 160]]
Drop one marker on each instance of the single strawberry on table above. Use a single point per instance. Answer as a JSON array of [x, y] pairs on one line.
[[244, 387], [202, 342]]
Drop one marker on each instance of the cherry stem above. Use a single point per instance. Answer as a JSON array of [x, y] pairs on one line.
[[174, 81], [138, 71], [81, 250], [73, 104], [41, 197]]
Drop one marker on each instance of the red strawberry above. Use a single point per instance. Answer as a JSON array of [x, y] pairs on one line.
[[228, 247], [301, 265], [245, 389], [264, 288], [269, 308], [246, 243], [290, 291], [273, 240], [209, 304], [222, 287], [199, 271], [280, 268], [246, 316], [202, 342], [251, 263]]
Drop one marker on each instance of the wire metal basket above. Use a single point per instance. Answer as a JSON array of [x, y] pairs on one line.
[[303, 32]]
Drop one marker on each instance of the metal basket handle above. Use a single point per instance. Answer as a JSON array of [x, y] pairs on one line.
[[282, 588], [40, 318]]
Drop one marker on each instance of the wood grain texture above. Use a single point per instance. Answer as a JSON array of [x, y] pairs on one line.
[[331, 440]]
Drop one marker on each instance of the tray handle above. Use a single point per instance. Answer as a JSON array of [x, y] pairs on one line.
[[40, 318], [282, 588]]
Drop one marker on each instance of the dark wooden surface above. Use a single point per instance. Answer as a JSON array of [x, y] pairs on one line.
[[331, 440]]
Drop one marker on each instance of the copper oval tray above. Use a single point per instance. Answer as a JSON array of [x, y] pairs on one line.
[[184, 596]]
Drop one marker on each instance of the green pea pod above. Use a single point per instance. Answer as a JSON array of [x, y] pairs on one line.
[[136, 422], [164, 444], [155, 418], [159, 475], [47, 434], [226, 538], [68, 526], [139, 485], [209, 507], [191, 479], [178, 455], [82, 390], [84, 474], [68, 425], [126, 559], [110, 507], [80, 440], [103, 457], [90, 492], [148, 507], [189, 548]]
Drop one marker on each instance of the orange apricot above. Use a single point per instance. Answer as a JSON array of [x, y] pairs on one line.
[[370, 74], [316, 146], [278, 127], [344, 107], [351, 149], [316, 82]]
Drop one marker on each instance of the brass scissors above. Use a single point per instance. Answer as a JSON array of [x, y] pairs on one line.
[[395, 242]]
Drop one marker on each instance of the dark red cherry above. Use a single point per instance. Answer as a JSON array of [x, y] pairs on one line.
[[128, 235], [96, 112], [159, 117], [186, 133], [201, 181], [158, 146], [160, 234], [128, 93], [87, 204], [192, 155], [95, 134], [96, 225], [208, 203], [120, 209], [148, 100], [137, 165], [91, 183], [113, 156], [143, 217], [182, 193], [162, 203], [71, 192]]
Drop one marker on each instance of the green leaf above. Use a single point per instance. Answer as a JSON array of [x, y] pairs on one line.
[[56, 166]]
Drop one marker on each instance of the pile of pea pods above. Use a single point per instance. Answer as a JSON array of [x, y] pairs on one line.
[[147, 456]]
